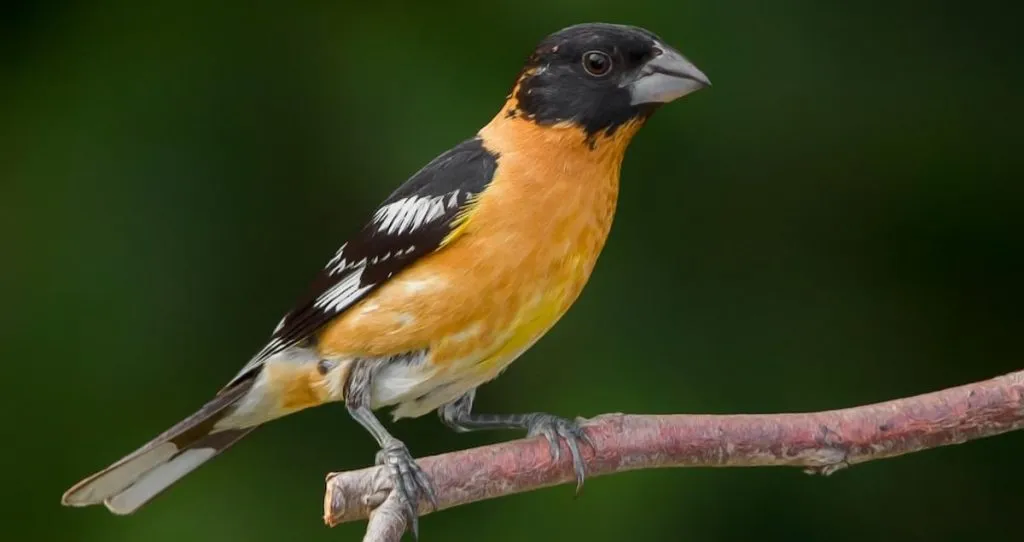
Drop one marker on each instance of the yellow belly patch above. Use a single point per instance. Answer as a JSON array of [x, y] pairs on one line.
[[527, 328]]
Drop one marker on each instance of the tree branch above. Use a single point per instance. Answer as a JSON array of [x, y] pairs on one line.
[[821, 442]]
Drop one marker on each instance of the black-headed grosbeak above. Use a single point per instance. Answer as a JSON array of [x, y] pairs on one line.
[[454, 276]]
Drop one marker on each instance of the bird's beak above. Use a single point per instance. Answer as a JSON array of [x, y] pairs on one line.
[[666, 77]]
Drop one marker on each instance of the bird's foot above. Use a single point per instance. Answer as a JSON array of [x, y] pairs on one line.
[[408, 480], [554, 428]]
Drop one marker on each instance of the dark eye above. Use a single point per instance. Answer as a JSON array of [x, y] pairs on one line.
[[597, 63]]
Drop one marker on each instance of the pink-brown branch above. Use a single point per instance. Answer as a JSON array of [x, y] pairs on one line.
[[821, 442]]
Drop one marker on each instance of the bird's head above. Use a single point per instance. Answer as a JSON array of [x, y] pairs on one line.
[[598, 77]]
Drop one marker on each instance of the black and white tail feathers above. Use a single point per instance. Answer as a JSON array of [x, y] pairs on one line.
[[135, 479]]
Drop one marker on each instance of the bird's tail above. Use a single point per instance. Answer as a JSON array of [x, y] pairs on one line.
[[135, 479]]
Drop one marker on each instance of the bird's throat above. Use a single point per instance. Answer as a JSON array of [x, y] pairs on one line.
[[566, 142]]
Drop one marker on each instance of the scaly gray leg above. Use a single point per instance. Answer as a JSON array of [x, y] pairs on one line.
[[459, 416], [407, 477]]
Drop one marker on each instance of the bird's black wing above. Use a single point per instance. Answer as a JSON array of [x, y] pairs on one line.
[[411, 223]]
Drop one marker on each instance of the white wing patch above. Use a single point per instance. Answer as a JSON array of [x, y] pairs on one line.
[[340, 264], [344, 292], [399, 217], [338, 261], [410, 214]]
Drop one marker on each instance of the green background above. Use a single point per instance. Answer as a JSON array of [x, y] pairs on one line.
[[837, 221]]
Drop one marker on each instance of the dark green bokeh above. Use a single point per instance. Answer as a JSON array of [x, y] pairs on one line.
[[837, 221]]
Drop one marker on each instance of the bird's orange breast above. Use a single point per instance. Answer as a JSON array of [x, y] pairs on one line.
[[519, 260]]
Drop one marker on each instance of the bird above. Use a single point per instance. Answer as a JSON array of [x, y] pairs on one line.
[[456, 274]]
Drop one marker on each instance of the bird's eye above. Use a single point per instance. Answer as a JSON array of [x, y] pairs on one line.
[[597, 63]]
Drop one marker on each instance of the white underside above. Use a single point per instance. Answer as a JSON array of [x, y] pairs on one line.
[[418, 389]]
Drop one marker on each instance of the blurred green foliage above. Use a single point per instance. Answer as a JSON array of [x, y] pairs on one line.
[[837, 221]]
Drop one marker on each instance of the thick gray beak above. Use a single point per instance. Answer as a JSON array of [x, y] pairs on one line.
[[666, 77]]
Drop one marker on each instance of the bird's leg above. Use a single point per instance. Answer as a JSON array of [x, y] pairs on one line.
[[459, 416], [407, 477]]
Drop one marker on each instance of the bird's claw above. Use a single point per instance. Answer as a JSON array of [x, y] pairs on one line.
[[409, 481], [553, 428]]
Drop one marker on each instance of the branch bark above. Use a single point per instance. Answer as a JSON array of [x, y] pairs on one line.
[[821, 442]]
